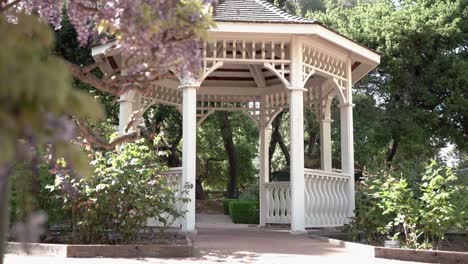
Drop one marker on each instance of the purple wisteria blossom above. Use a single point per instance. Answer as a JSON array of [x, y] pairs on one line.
[[163, 32]]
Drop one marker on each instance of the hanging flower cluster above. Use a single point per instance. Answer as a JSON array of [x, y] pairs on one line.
[[154, 35]]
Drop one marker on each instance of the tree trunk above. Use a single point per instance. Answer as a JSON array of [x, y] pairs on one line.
[[311, 144], [200, 194], [226, 133], [392, 149], [173, 160], [283, 147], [277, 138]]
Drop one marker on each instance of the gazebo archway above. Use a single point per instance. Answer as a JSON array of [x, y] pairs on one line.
[[261, 61]]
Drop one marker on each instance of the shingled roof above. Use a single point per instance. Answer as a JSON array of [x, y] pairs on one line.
[[257, 11]]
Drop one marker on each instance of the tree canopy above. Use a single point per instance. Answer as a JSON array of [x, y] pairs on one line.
[[416, 102]]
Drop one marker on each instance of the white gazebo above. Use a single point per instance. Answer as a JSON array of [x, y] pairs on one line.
[[261, 61]]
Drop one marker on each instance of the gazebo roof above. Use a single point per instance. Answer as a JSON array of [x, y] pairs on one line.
[[250, 26], [256, 11]]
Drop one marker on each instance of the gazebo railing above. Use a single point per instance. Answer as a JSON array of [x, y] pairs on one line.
[[174, 180], [326, 199], [174, 177], [278, 202]]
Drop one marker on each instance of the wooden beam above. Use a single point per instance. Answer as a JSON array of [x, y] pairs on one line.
[[258, 75]]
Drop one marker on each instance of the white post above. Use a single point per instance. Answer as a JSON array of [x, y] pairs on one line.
[[325, 144], [296, 112], [189, 128], [126, 102], [347, 140], [264, 162]]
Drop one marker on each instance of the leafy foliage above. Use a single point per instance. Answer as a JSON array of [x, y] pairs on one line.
[[36, 99], [416, 100], [227, 206], [32, 113], [419, 212], [251, 192], [27, 194], [212, 157], [126, 189], [244, 212]]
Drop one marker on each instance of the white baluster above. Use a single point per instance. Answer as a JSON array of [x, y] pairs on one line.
[[283, 205], [276, 203], [308, 200], [327, 200], [343, 200], [321, 199], [316, 199], [333, 201]]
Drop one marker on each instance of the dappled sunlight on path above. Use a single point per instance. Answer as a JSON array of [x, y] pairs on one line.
[[219, 241]]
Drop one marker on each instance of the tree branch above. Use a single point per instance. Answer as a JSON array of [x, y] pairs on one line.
[[86, 8], [88, 134], [117, 84], [4, 8], [83, 74]]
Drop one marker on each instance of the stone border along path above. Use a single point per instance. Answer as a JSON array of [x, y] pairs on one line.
[[110, 251], [219, 241], [430, 256]]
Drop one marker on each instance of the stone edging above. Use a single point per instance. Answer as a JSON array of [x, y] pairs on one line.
[[107, 251], [361, 249], [429, 256]]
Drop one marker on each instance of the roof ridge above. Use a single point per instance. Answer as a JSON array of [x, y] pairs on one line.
[[281, 12], [256, 11]]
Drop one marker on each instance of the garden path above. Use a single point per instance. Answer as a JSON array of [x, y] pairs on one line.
[[220, 241]]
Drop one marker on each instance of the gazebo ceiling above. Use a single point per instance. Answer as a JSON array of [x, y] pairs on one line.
[[239, 75]]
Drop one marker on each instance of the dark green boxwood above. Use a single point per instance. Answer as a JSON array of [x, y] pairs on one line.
[[226, 203], [244, 212]]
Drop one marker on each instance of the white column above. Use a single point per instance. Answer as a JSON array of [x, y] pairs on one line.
[[189, 128], [264, 162], [296, 126], [347, 139], [325, 144], [126, 102], [297, 160]]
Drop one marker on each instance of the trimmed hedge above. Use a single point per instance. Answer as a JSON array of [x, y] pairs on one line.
[[226, 207], [244, 212]]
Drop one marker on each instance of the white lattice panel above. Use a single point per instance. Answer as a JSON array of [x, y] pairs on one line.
[[274, 55], [317, 97], [316, 60], [207, 104], [161, 94]]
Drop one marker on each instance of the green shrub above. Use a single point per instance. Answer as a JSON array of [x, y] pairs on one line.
[[127, 189], [226, 207], [417, 212], [245, 212], [36, 198], [251, 192]]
